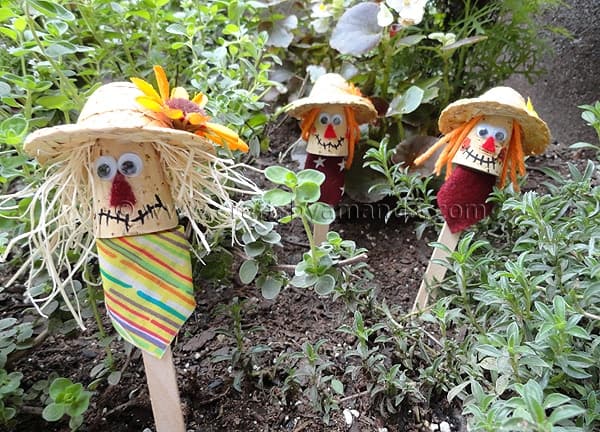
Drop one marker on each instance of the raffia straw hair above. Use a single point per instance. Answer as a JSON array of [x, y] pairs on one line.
[[307, 122], [353, 134], [62, 217], [514, 162]]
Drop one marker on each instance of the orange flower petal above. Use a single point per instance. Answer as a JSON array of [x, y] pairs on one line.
[[222, 135], [150, 103], [200, 99], [197, 118], [162, 82], [173, 114], [180, 93], [146, 88]]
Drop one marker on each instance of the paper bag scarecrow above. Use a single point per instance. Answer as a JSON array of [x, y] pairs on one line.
[[134, 162], [487, 139], [329, 118]]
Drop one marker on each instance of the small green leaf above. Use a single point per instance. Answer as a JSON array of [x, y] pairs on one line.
[[325, 285], [270, 287], [51, 9], [320, 213], [177, 28], [337, 386], [248, 271], [53, 412], [278, 197], [308, 192], [114, 378], [311, 175], [277, 174]]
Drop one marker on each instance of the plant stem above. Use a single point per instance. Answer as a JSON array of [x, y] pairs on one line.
[[92, 299]]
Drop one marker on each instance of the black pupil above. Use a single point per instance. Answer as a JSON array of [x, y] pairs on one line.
[[483, 132], [337, 120], [128, 167], [323, 120], [103, 170], [499, 136]]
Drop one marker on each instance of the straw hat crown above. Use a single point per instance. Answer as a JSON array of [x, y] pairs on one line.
[[333, 89], [501, 101], [110, 112]]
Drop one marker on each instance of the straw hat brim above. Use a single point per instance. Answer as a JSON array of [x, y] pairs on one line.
[[364, 110], [55, 142], [536, 135]]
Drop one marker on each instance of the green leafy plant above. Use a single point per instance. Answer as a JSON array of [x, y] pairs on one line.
[[243, 357], [413, 192], [67, 398]]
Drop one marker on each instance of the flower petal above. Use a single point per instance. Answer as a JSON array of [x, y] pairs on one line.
[[196, 118], [150, 103], [200, 99], [162, 82], [173, 114], [146, 88], [180, 93], [222, 135]]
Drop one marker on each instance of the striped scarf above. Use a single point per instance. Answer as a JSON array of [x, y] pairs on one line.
[[148, 287]]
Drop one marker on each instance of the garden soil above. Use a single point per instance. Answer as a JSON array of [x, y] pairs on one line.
[[396, 258]]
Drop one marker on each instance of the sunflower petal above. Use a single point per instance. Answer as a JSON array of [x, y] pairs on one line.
[[150, 103], [173, 114], [162, 82], [197, 118], [222, 135], [180, 93], [200, 99], [146, 88]]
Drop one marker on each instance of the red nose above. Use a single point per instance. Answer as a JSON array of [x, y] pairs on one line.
[[121, 193], [489, 145], [330, 133]]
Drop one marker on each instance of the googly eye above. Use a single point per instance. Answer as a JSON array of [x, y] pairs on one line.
[[500, 135], [324, 118], [336, 120], [106, 167], [130, 164], [482, 131]]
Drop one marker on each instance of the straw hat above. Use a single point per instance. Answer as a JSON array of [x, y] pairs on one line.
[[501, 101], [333, 89], [110, 112]]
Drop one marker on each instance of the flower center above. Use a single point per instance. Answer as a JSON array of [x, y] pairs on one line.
[[185, 105]]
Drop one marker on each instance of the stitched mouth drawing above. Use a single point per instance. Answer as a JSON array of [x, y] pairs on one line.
[[485, 161], [146, 212], [329, 144]]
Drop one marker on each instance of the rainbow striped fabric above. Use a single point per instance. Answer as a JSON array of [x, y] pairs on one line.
[[148, 287]]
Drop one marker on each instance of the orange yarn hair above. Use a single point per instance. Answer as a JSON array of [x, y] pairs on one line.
[[514, 162], [352, 129]]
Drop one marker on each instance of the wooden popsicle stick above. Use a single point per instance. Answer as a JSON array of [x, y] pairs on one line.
[[435, 272], [320, 233], [164, 394]]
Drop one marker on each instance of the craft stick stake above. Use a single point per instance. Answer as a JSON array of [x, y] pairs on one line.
[[320, 233], [164, 394], [435, 272]]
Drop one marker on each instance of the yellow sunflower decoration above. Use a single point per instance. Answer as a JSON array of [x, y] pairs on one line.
[[185, 114]]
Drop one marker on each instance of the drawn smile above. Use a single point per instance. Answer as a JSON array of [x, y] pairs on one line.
[[489, 162], [330, 144], [146, 212]]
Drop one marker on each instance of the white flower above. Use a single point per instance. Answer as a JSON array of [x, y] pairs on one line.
[[320, 10], [384, 16], [411, 11]]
